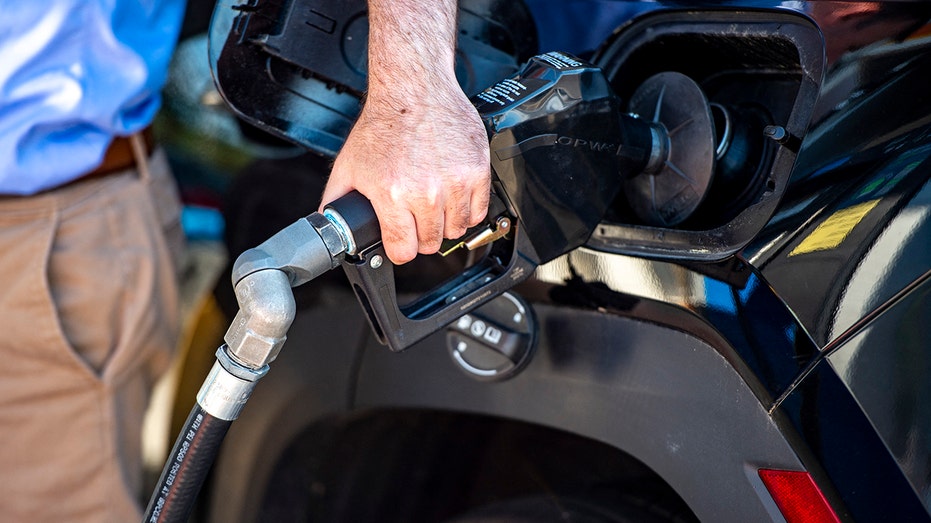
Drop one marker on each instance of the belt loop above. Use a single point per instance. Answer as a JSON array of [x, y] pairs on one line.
[[137, 141]]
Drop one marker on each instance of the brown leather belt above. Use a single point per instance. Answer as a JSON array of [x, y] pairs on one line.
[[119, 155], [118, 158]]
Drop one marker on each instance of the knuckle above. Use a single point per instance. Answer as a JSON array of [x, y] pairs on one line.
[[429, 243], [455, 232], [476, 218], [400, 252]]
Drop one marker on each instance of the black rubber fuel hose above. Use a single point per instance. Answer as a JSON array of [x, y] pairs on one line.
[[186, 468]]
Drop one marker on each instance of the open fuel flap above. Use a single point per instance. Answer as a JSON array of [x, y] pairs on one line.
[[757, 75]]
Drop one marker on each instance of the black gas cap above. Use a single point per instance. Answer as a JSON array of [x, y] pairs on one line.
[[495, 341]]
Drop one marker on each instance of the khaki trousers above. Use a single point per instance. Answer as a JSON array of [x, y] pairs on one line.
[[88, 320]]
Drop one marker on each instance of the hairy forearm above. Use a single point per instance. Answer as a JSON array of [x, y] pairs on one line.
[[411, 42]]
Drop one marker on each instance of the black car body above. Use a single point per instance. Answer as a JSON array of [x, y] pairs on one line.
[[783, 328]]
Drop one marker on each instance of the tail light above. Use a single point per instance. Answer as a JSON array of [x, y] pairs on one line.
[[798, 497]]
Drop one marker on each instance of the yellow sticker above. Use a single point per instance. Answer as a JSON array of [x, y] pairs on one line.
[[835, 229]]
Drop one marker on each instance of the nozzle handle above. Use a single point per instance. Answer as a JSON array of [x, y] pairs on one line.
[[507, 261]]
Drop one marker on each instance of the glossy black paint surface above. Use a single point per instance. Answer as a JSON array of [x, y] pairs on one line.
[[725, 304], [885, 370]]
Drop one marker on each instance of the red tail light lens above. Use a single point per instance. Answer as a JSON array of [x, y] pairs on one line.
[[798, 497]]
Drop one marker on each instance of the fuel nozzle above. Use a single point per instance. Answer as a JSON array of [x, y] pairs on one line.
[[560, 147], [565, 146]]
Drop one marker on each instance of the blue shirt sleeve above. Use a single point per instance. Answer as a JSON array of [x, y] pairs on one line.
[[74, 74]]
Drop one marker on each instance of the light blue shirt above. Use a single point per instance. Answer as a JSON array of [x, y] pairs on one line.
[[74, 74]]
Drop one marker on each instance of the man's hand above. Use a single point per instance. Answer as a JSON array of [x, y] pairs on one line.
[[418, 151], [424, 167]]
